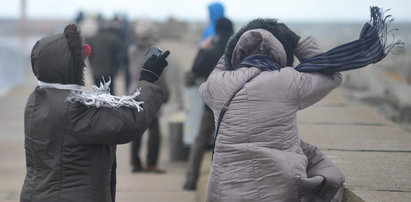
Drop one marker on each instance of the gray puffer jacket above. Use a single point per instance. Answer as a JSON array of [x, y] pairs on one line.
[[258, 154], [70, 147]]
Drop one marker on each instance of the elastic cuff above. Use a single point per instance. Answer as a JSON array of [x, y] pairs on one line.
[[156, 75], [147, 76]]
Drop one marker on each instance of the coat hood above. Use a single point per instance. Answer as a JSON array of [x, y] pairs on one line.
[[216, 11], [59, 58], [259, 41]]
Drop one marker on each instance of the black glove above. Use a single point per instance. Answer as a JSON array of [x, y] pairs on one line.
[[291, 36], [153, 67]]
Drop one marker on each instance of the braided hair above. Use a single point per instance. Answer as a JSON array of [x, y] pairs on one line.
[[74, 42]]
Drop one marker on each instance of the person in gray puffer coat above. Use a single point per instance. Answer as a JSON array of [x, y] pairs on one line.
[[70, 134], [258, 154]]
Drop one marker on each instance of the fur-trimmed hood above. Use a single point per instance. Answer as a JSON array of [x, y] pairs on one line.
[[259, 41], [59, 58], [272, 26]]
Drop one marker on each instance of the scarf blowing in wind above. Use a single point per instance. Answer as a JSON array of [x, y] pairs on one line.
[[371, 47]]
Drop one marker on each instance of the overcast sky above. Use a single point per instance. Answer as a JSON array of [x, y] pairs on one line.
[[195, 10]]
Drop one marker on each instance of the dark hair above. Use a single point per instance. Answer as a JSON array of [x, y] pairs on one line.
[[224, 28], [74, 43], [270, 25]]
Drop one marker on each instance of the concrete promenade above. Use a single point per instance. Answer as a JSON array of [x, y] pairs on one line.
[[373, 153]]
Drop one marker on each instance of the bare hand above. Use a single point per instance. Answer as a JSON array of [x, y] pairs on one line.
[[207, 43]]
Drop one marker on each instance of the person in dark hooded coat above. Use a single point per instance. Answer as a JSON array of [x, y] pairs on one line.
[[204, 63], [70, 134], [106, 56]]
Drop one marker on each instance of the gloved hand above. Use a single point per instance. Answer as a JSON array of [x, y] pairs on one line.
[[291, 35], [153, 67]]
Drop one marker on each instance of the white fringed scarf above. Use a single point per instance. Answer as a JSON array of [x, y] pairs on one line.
[[98, 96]]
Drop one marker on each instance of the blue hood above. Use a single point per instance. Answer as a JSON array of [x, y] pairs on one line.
[[216, 11]]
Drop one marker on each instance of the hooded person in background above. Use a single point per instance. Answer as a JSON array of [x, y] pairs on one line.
[[216, 11], [121, 24], [70, 134], [146, 35], [88, 25], [105, 57], [207, 57]]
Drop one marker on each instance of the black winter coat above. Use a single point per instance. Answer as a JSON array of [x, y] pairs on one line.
[[106, 53], [70, 148], [207, 59]]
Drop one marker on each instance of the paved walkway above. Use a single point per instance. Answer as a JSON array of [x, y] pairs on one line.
[[374, 153]]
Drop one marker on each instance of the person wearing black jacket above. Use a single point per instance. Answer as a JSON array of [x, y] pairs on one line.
[[105, 57], [207, 57], [70, 134]]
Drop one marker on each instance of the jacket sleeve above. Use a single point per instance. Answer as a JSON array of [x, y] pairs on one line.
[[204, 89], [312, 87], [91, 125], [162, 82], [307, 48], [320, 165], [204, 63]]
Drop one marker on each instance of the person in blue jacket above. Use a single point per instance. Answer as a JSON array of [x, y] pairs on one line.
[[216, 11]]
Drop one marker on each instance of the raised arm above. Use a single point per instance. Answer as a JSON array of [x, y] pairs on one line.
[[91, 125], [307, 48], [312, 87]]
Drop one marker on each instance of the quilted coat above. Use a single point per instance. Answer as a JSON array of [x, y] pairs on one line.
[[258, 153]]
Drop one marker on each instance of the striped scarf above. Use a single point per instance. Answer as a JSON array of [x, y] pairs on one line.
[[371, 47]]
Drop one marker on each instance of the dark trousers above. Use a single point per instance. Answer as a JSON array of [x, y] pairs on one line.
[[127, 77], [98, 79], [200, 145], [153, 146]]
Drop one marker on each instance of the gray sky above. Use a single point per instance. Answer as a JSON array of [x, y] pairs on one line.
[[240, 10]]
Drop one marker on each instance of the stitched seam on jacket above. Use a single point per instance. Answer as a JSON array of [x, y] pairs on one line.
[[91, 174], [218, 174], [297, 83], [62, 149], [248, 143], [34, 160], [292, 175]]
